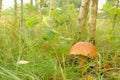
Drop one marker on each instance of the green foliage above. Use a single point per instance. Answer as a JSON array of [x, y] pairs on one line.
[[111, 10], [28, 8], [77, 3], [72, 73], [64, 16], [41, 1], [32, 21], [6, 73], [50, 34]]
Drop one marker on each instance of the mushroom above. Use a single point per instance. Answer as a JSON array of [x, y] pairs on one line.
[[83, 51]]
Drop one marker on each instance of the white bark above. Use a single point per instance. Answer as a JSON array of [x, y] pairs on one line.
[[0, 7], [52, 4], [15, 10], [31, 2], [83, 15], [92, 20]]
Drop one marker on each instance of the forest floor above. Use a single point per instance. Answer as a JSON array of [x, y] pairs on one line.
[[34, 52]]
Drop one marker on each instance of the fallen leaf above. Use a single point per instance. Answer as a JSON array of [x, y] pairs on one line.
[[22, 62]]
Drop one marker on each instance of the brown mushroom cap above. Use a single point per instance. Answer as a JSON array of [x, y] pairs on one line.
[[84, 49]]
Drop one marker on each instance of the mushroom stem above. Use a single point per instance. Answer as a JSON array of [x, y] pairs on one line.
[[82, 61]]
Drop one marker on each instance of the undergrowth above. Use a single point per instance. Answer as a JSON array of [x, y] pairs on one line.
[[45, 42]]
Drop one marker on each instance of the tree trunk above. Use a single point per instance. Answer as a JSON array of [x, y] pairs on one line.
[[52, 8], [21, 21], [83, 16], [37, 5], [115, 16], [40, 5], [92, 20], [31, 2], [0, 7], [65, 3], [52, 4], [15, 10]]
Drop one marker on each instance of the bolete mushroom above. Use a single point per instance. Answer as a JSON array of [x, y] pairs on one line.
[[84, 50]]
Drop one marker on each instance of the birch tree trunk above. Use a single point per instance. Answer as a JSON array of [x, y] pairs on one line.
[[21, 20], [92, 20], [40, 5], [83, 16], [52, 4], [52, 8], [65, 3], [37, 4], [15, 10], [31, 2], [0, 7]]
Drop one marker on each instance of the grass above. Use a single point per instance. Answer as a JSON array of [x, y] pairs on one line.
[[45, 46]]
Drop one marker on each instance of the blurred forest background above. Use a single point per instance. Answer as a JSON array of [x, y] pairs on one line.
[[36, 36]]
